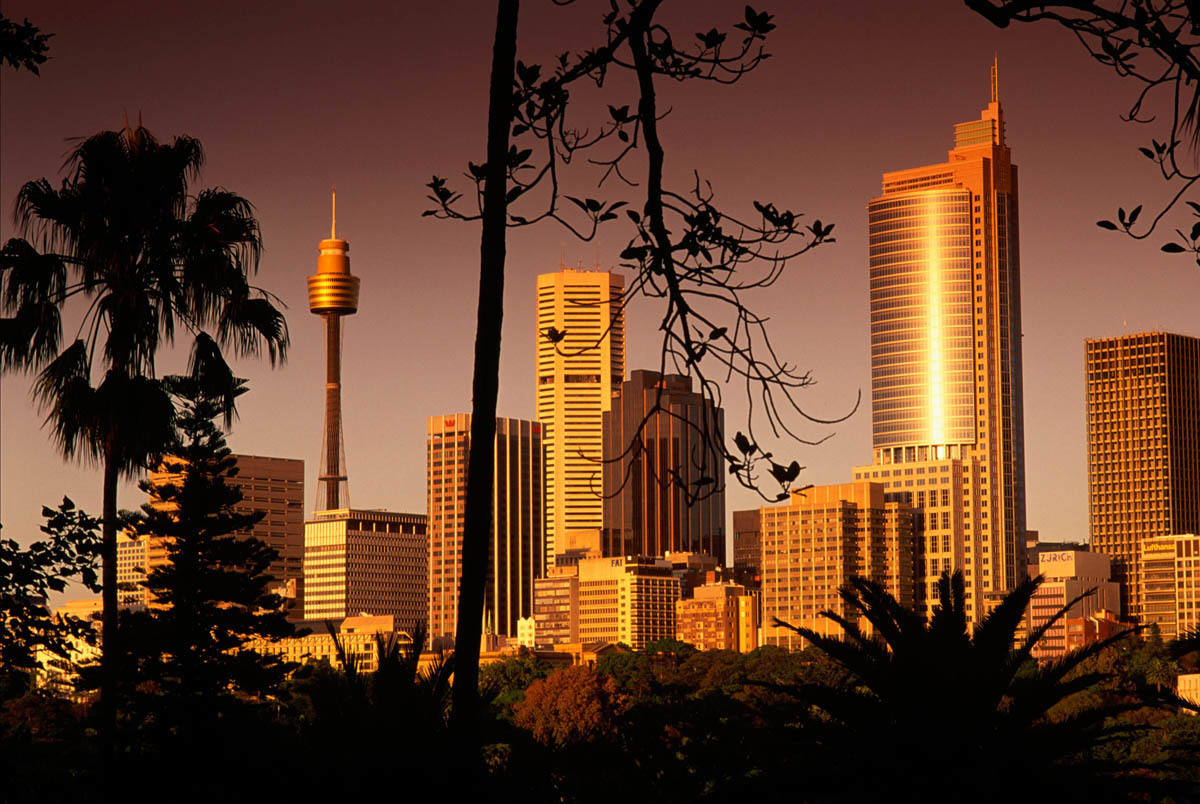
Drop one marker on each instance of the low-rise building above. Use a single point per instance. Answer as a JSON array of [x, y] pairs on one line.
[[718, 616], [627, 600], [1170, 583], [1069, 574]]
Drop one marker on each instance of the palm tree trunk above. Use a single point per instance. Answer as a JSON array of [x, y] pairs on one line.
[[486, 385], [109, 646]]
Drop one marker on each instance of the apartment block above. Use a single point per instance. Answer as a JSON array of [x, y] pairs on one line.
[[1069, 574], [556, 606], [629, 600], [718, 616], [826, 535]]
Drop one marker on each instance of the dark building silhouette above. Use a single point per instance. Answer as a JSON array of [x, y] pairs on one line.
[[648, 481]]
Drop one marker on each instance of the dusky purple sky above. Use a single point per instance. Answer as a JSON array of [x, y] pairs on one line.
[[289, 99]]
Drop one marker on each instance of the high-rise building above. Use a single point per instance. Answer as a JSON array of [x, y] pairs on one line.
[[517, 550], [332, 294], [946, 347], [1170, 583], [664, 490], [556, 606], [274, 486], [365, 562], [747, 548], [580, 364], [1143, 423], [814, 545]]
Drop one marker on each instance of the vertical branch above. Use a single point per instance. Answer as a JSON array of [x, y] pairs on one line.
[[486, 384]]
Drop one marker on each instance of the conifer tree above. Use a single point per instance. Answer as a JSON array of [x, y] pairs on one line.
[[212, 596]]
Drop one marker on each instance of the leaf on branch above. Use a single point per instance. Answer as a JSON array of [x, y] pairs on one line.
[[785, 474], [592, 205], [1146, 152], [477, 171], [703, 481], [1173, 248], [1107, 225], [634, 252], [554, 335], [744, 445], [712, 39], [620, 115], [719, 332], [1133, 215], [633, 215], [1195, 231], [576, 202]]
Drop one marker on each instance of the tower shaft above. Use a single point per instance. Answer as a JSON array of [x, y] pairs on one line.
[[333, 472]]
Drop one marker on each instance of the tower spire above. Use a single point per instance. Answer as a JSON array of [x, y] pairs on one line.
[[995, 78], [333, 222]]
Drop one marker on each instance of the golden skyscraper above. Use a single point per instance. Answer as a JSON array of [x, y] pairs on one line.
[[1143, 418], [946, 356], [577, 374]]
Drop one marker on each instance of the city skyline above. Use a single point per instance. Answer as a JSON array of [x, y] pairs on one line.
[[819, 308]]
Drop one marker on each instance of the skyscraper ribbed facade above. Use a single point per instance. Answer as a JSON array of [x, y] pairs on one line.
[[580, 363], [516, 551], [647, 482], [946, 379], [1143, 420]]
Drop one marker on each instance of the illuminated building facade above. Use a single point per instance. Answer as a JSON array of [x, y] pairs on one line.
[[516, 552], [630, 600], [365, 562], [1069, 574], [577, 375], [815, 544], [718, 616], [658, 440], [1170, 583], [274, 486], [946, 379], [1143, 423]]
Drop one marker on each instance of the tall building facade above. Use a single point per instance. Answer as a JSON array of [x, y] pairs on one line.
[[815, 544], [630, 600], [946, 378], [658, 440], [365, 562], [517, 549], [1143, 423], [274, 486], [580, 364]]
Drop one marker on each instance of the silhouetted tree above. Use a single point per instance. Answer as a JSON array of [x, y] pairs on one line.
[[695, 257], [941, 712], [146, 253], [212, 595], [22, 45], [1153, 44], [29, 575]]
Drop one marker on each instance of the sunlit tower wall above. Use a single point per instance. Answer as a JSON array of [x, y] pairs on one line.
[[576, 378], [332, 294], [946, 378]]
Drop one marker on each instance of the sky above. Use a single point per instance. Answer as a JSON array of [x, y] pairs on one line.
[[291, 98]]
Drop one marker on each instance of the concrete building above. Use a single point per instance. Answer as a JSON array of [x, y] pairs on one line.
[[1170, 583], [556, 606], [1068, 574], [719, 616], [661, 443], [1143, 422], [517, 549], [360, 561], [815, 544], [274, 486], [946, 377], [627, 600], [580, 364]]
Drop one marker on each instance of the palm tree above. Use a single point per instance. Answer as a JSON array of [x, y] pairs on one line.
[[941, 712], [146, 256]]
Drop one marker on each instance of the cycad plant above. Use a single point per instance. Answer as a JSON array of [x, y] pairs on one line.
[[143, 255], [941, 712]]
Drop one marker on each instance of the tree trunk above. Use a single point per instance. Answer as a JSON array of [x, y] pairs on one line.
[[486, 384], [110, 650]]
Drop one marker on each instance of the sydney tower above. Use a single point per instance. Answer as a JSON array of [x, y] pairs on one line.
[[333, 293]]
